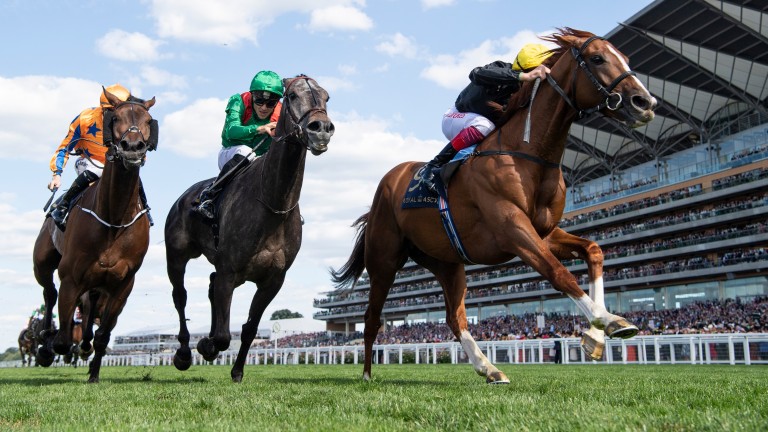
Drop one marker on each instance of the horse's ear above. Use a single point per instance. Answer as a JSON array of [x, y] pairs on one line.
[[112, 99], [148, 104]]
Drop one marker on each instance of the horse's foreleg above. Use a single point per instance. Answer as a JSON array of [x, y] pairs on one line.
[[220, 294], [114, 304], [206, 346], [567, 246], [68, 296], [100, 342], [453, 280], [264, 295], [89, 308]]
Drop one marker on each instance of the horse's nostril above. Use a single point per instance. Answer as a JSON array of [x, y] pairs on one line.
[[641, 102], [314, 126]]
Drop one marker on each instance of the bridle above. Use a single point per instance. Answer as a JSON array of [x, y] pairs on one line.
[[613, 101], [298, 131], [115, 152]]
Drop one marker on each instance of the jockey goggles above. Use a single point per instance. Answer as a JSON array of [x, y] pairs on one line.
[[270, 103]]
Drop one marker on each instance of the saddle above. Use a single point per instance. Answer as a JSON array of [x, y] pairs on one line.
[[419, 196]]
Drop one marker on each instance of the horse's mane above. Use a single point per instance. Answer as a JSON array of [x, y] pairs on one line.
[[133, 98], [522, 97]]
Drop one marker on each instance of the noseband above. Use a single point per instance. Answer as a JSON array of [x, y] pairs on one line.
[[613, 101], [299, 131]]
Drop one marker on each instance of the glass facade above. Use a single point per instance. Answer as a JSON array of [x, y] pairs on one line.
[[525, 307], [563, 305], [642, 300], [683, 295], [746, 289]]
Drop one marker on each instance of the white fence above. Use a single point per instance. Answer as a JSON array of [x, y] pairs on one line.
[[732, 349]]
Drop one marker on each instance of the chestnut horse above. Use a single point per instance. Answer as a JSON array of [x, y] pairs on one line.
[[258, 231], [106, 239], [508, 198]]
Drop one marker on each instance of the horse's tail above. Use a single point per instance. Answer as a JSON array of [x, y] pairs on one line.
[[348, 274]]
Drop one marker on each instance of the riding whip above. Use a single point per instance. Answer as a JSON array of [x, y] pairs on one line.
[[527, 133], [50, 200]]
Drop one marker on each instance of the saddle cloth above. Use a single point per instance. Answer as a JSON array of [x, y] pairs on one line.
[[419, 196]]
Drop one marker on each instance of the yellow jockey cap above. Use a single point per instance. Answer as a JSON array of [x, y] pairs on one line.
[[121, 92], [530, 56]]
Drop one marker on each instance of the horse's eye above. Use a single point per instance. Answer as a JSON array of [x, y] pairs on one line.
[[597, 60]]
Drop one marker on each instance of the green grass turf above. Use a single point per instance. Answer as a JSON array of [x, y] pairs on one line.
[[399, 398]]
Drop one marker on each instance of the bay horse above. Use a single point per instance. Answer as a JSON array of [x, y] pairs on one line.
[[507, 200], [28, 340], [258, 232], [26, 349], [106, 239]]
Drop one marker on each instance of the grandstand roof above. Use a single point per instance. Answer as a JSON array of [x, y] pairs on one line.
[[705, 61]]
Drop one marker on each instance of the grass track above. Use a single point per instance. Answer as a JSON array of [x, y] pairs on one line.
[[400, 398]]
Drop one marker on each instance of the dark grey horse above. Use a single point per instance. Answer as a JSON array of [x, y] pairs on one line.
[[258, 231]]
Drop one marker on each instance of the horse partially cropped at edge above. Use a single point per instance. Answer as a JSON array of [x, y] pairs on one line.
[[105, 242], [506, 200], [258, 232]]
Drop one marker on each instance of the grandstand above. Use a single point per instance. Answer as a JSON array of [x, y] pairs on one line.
[[678, 206]]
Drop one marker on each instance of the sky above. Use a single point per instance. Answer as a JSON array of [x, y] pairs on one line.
[[391, 67]]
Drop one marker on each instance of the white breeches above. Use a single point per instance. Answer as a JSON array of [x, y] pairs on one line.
[[454, 121], [82, 164], [227, 153]]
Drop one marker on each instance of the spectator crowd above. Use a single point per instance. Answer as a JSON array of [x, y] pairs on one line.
[[717, 316]]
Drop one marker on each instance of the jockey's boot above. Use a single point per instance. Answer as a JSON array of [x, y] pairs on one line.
[[143, 198], [207, 197], [433, 166], [59, 213], [465, 138]]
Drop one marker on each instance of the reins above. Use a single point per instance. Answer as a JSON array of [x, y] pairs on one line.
[[298, 129], [113, 156], [297, 133], [613, 101], [606, 92]]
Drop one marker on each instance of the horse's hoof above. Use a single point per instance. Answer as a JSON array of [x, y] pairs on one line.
[[93, 380], [366, 376], [593, 344], [497, 377], [237, 376], [621, 328], [206, 348], [85, 352], [182, 359], [44, 357]]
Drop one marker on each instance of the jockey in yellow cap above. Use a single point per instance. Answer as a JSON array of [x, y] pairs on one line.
[[86, 137], [468, 121]]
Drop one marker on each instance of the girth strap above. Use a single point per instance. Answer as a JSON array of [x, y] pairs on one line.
[[521, 155]]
